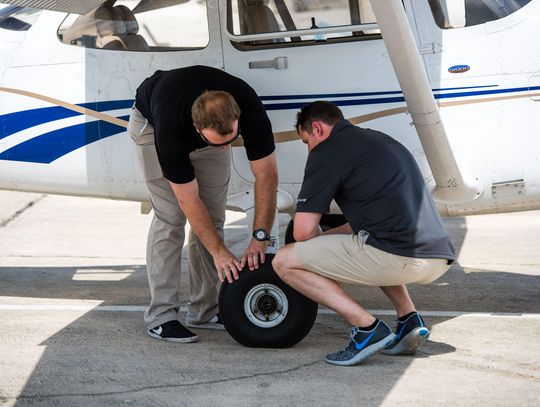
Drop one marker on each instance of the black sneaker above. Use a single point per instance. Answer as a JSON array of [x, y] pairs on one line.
[[173, 331], [410, 334], [213, 323], [362, 345]]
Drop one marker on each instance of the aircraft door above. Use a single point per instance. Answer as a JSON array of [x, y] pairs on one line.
[[293, 52]]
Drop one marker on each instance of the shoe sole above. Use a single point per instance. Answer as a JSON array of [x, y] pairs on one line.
[[174, 340], [410, 343], [365, 353], [208, 325]]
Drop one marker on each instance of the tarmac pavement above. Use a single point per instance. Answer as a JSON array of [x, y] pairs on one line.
[[73, 289]]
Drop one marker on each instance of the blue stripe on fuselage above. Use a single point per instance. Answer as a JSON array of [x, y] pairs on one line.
[[50, 146], [357, 102], [326, 96], [12, 123]]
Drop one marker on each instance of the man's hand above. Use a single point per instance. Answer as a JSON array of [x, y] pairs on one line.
[[255, 251], [227, 265]]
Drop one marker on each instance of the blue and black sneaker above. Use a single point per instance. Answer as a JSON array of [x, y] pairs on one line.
[[362, 345], [410, 334]]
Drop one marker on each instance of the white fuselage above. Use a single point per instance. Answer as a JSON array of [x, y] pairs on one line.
[[492, 116]]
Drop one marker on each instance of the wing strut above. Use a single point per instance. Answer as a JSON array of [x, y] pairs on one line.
[[451, 186]]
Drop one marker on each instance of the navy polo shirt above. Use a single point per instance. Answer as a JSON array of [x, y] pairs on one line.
[[379, 188]]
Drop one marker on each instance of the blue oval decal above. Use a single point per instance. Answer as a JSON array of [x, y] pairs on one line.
[[459, 68]]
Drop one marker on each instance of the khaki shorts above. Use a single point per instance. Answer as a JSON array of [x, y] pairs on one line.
[[348, 259]]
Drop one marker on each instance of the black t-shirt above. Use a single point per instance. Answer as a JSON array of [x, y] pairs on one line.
[[165, 100], [379, 188]]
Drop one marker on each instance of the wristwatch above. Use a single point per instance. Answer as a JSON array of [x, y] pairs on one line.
[[261, 235]]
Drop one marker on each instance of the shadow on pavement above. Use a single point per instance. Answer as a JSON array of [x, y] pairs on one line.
[[106, 358]]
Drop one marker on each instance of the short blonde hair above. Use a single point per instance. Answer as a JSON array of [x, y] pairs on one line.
[[216, 110]]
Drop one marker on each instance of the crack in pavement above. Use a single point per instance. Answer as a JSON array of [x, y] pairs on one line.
[[164, 386], [21, 211]]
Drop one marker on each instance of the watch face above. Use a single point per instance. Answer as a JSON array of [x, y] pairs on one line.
[[261, 235]]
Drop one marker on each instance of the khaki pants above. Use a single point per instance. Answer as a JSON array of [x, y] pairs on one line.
[[349, 259], [166, 236]]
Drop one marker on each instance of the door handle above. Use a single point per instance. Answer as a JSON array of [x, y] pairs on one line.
[[276, 63]]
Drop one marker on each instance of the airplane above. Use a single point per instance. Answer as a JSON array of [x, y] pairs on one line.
[[455, 81]]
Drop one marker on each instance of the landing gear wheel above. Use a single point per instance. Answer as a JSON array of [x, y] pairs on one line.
[[261, 311]]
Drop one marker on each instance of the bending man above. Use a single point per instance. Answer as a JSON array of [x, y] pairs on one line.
[[394, 235], [183, 124]]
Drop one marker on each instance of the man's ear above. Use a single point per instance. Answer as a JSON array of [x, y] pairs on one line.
[[317, 128]]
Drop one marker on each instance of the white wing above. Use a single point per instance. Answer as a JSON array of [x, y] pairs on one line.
[[66, 6]]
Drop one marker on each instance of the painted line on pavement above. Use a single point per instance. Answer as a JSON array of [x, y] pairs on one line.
[[323, 311]]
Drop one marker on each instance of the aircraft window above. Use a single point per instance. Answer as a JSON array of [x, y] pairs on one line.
[[465, 13], [140, 25], [274, 16], [17, 18]]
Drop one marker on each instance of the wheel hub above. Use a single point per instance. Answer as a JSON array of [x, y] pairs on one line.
[[266, 305]]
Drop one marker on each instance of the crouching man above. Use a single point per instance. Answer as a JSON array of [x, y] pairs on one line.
[[394, 235]]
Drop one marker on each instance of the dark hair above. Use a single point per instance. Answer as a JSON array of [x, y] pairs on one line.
[[320, 110], [216, 110]]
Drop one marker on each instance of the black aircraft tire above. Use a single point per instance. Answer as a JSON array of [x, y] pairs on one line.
[[242, 304]]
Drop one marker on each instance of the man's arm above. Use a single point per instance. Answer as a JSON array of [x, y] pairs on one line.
[[266, 182], [226, 263], [306, 226]]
